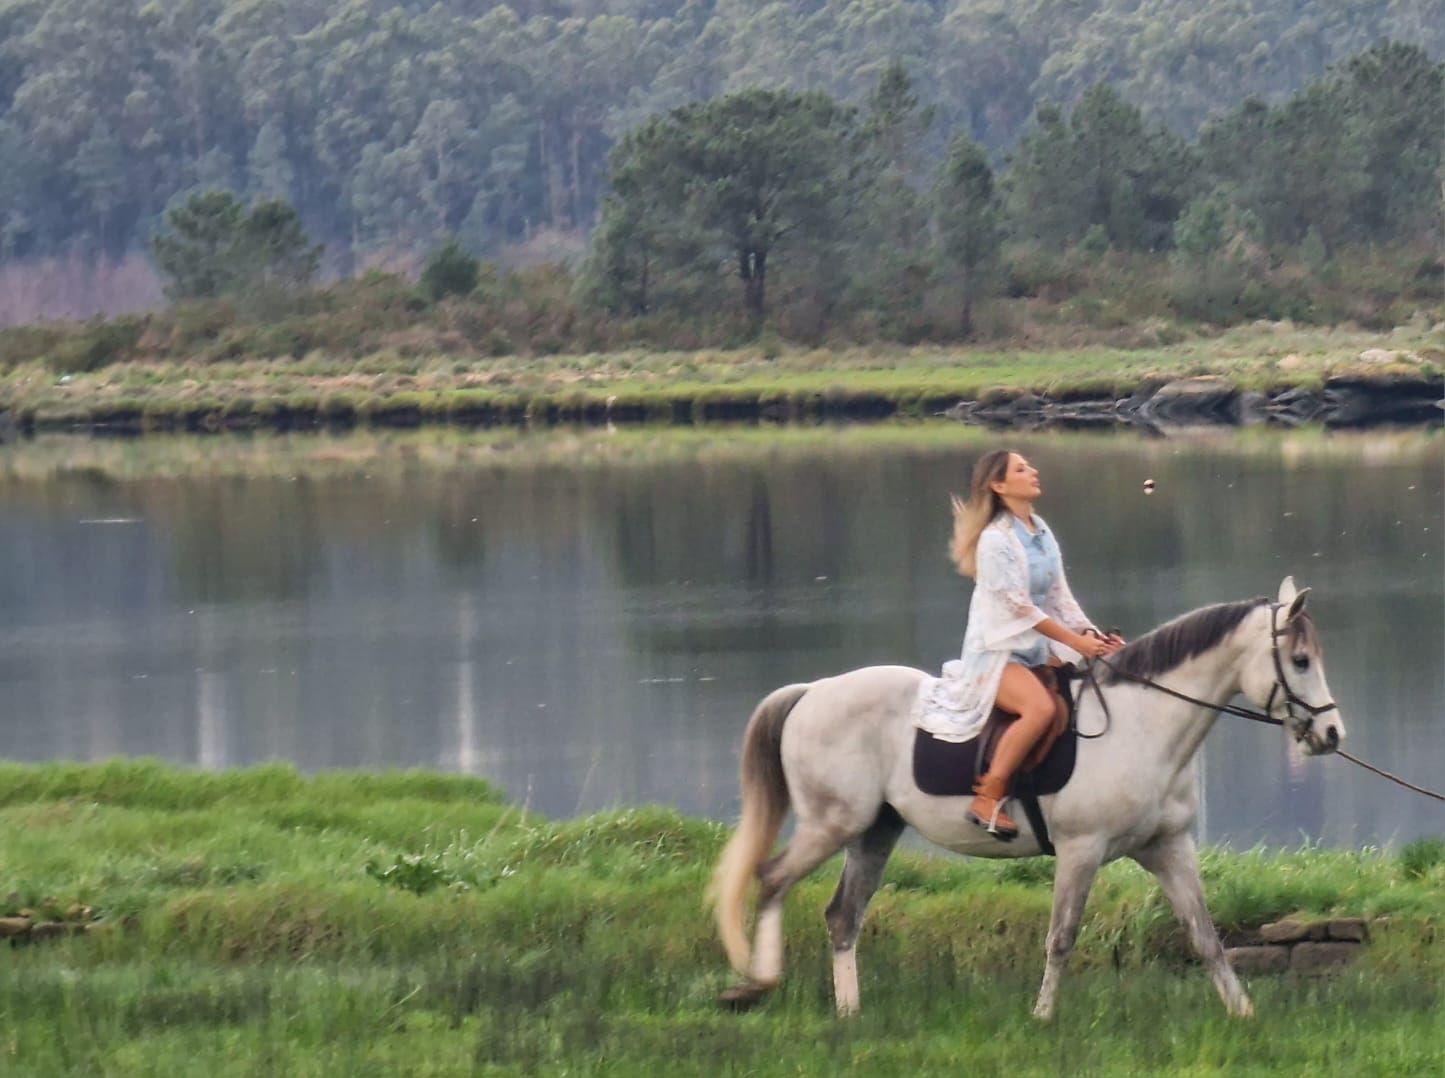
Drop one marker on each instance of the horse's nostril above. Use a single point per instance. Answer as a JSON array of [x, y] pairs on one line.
[[1332, 735]]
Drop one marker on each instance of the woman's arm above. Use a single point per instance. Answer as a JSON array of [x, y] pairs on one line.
[[1003, 571], [1090, 647], [1061, 603], [1068, 618]]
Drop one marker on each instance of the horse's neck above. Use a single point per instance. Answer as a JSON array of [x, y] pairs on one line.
[[1168, 730]]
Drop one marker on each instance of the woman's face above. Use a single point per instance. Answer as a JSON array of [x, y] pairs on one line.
[[1020, 481]]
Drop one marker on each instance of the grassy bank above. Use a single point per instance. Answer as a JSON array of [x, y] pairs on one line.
[[392, 388], [257, 921]]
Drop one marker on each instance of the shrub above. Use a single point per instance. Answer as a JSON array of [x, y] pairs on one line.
[[1095, 241], [461, 865], [289, 338], [198, 322], [450, 272], [1034, 271], [1418, 858], [417, 873], [97, 345], [1205, 293], [22, 344]]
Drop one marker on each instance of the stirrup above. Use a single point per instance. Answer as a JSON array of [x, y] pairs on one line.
[[991, 825]]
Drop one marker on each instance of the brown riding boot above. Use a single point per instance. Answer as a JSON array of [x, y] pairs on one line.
[[986, 808]]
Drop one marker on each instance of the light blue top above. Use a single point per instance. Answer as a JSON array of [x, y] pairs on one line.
[[1045, 563]]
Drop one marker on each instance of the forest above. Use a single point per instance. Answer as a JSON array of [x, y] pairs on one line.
[[1216, 157], [391, 125]]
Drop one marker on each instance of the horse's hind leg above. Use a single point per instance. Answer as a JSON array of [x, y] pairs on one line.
[[812, 844], [862, 871], [1175, 864]]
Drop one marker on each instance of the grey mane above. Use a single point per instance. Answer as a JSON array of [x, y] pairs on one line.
[[1183, 638]]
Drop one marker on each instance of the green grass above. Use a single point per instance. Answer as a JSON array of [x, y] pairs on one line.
[[250, 922]]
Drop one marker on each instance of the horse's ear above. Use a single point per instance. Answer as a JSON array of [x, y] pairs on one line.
[[1297, 605], [1287, 591]]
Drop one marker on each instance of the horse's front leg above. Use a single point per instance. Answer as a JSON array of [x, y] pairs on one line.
[[1175, 863], [1073, 876]]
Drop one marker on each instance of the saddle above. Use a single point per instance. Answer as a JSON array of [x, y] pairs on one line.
[[949, 768]]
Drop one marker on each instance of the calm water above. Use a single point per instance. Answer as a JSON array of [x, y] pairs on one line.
[[589, 619]]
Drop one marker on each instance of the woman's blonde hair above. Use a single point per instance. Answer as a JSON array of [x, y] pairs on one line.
[[972, 516]]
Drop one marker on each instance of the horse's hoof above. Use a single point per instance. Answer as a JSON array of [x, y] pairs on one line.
[[742, 997]]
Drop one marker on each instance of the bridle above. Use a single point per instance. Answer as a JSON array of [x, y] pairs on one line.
[[1300, 726]]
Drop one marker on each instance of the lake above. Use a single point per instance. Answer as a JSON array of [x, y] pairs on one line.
[[588, 617]]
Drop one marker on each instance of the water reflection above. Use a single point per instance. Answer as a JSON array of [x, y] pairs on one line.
[[589, 622]]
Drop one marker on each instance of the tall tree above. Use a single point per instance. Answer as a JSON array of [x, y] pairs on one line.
[[268, 167], [1393, 102], [754, 174], [501, 116], [273, 248], [969, 233], [1292, 167], [197, 252], [214, 246], [889, 256], [1103, 167], [1351, 158]]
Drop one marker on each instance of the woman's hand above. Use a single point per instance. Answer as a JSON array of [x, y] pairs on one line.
[[1093, 644]]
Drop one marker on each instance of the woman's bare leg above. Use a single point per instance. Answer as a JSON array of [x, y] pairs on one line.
[[1023, 694], [1020, 692]]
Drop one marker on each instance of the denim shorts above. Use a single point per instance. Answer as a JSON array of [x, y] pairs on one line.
[[1038, 655]]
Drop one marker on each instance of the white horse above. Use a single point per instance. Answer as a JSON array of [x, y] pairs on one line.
[[839, 751]]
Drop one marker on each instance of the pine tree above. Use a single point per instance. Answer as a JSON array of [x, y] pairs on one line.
[[967, 212]]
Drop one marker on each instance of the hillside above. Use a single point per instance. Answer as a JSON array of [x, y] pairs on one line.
[[391, 124]]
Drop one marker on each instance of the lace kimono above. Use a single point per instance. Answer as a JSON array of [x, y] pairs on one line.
[[1001, 620]]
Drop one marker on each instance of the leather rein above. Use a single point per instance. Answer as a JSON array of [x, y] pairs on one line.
[[1299, 726]]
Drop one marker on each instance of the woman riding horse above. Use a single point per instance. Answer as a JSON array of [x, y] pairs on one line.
[[1021, 602]]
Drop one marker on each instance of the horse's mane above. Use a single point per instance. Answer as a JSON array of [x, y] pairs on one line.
[[1179, 640]]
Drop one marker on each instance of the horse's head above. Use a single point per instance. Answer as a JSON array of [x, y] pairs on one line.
[[1285, 673]]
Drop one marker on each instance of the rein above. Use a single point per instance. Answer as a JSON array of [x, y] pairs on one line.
[[1386, 775], [1227, 709], [1291, 700]]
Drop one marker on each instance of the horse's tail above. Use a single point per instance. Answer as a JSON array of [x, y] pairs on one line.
[[765, 803]]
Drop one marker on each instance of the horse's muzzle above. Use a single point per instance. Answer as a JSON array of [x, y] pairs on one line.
[[1318, 743]]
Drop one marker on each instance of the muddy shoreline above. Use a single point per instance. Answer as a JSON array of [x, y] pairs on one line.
[[1213, 401], [1351, 401]]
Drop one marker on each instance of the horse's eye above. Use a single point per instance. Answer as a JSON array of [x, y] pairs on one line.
[[1301, 662]]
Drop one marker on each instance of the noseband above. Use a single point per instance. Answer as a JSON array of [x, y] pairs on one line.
[[1300, 726]]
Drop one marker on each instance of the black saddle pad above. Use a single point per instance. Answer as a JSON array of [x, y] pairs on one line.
[[948, 768]]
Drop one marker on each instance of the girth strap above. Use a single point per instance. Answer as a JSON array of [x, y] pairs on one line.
[[1035, 813]]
